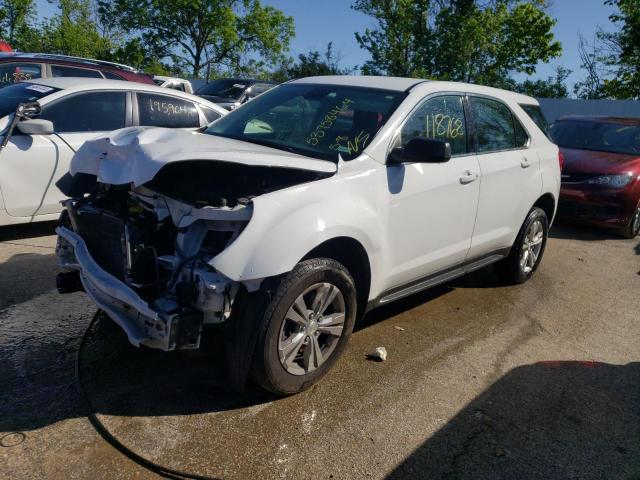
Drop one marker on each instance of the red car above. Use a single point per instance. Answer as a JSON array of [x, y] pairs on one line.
[[16, 67], [601, 174]]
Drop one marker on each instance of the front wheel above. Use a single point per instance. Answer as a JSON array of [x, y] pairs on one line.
[[305, 327], [526, 252], [633, 228]]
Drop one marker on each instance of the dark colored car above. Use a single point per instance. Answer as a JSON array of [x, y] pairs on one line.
[[230, 93], [17, 67], [601, 174]]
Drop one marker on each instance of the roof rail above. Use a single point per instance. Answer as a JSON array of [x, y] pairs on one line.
[[89, 61]]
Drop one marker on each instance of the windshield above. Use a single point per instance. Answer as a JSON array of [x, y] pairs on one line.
[[21, 92], [224, 88], [319, 121], [598, 136]]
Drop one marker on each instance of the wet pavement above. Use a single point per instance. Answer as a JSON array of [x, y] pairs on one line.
[[482, 381]]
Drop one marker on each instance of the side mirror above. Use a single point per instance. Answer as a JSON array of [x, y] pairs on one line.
[[28, 110], [35, 127], [422, 150]]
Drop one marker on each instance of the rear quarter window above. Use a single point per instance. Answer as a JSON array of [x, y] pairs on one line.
[[535, 113]]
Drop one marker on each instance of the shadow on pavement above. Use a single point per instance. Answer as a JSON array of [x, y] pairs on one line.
[[550, 420], [28, 230], [25, 276], [564, 229]]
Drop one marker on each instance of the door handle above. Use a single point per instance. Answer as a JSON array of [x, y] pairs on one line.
[[525, 163], [468, 177]]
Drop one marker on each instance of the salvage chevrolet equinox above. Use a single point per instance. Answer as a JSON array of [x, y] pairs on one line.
[[293, 215]]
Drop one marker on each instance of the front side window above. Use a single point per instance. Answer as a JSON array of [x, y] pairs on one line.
[[61, 71], [496, 127], [597, 136], [439, 118], [88, 112], [169, 112], [11, 73], [316, 120]]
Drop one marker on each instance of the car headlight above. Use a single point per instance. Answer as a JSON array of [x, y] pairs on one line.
[[615, 181]]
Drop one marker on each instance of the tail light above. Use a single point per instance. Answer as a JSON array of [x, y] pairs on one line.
[[561, 160]]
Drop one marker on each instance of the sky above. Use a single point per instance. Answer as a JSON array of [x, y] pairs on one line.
[[319, 22]]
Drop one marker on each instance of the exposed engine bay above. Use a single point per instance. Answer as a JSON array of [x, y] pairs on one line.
[[143, 254]]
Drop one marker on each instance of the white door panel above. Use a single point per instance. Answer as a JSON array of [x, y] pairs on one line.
[[432, 215], [29, 167], [510, 184]]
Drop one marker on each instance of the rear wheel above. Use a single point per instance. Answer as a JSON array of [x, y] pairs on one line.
[[633, 228], [526, 252], [305, 327]]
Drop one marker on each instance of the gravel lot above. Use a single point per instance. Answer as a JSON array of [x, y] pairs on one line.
[[482, 381]]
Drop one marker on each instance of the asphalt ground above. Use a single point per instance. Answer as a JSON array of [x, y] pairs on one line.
[[482, 381]]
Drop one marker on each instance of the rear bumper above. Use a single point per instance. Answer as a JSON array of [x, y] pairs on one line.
[[144, 324]]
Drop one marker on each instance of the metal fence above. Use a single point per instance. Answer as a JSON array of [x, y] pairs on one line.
[[555, 108]]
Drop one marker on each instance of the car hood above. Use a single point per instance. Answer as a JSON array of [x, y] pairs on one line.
[[590, 161], [135, 155]]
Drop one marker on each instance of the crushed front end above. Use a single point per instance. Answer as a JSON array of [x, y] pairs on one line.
[[143, 258]]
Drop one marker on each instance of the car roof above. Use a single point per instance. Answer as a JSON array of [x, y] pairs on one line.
[[81, 84], [243, 80], [600, 119], [51, 57], [402, 84]]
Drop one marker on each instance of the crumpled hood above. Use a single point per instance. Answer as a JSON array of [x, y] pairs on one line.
[[136, 154]]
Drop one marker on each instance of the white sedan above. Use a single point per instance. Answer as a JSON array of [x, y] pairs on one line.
[[63, 113]]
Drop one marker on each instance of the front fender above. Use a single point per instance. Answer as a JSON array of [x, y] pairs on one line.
[[287, 225]]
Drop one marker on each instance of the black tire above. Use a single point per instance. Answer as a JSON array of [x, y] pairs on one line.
[[510, 269], [633, 228], [267, 369]]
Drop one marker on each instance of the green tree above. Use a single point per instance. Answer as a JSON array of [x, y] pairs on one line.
[[462, 40], [16, 20], [311, 64], [553, 87], [72, 31], [622, 50], [210, 35]]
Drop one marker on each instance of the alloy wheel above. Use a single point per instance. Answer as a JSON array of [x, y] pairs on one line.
[[531, 246], [311, 328], [635, 222]]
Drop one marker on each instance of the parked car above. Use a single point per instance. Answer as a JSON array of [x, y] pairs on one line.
[[68, 112], [601, 175], [173, 82], [290, 217], [17, 67], [230, 93], [5, 47]]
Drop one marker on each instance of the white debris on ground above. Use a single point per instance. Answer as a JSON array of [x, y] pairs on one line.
[[399, 328], [379, 354]]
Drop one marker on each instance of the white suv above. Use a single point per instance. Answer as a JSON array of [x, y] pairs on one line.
[[293, 215]]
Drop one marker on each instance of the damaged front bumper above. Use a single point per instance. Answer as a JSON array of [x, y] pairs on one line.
[[159, 324]]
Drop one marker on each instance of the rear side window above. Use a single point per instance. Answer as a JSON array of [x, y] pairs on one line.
[[112, 76], [439, 118], [60, 71], [535, 112], [169, 112], [210, 113], [496, 127], [88, 112], [11, 73]]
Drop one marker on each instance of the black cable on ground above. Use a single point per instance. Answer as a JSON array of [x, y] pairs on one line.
[[113, 441]]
